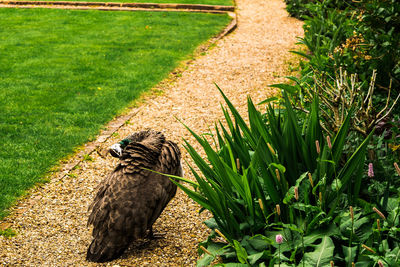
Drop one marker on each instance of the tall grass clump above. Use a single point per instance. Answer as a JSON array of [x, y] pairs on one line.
[[283, 192]]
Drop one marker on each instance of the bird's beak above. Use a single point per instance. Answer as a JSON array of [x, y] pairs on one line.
[[115, 150]]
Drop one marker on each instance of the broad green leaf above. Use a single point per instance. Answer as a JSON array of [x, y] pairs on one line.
[[321, 255], [286, 87], [240, 252], [349, 254], [260, 242], [319, 234], [253, 258], [231, 264], [211, 223], [205, 260], [280, 167], [215, 249], [316, 219]]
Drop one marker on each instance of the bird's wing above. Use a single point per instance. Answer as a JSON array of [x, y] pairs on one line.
[[121, 186], [135, 197], [132, 198], [169, 162], [119, 216], [123, 205]]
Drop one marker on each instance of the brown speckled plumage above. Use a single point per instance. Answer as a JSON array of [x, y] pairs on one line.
[[131, 198]]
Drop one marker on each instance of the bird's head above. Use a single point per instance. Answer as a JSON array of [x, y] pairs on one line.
[[116, 149], [148, 138]]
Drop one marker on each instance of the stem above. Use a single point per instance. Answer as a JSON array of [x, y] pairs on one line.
[[279, 254], [302, 242], [303, 231], [351, 239], [335, 174], [380, 237]]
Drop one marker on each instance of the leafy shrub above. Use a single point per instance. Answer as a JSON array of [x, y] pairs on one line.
[[278, 177], [324, 32], [339, 96], [303, 8], [380, 27], [361, 38]]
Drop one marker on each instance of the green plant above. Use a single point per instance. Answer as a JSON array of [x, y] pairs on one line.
[[304, 8], [87, 157], [72, 175], [275, 177], [8, 233], [337, 97], [361, 38], [380, 27]]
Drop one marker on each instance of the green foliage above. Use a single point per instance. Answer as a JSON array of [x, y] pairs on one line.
[[323, 33], [304, 8], [360, 38], [65, 73], [321, 254], [8, 233], [270, 177], [380, 27], [339, 96]]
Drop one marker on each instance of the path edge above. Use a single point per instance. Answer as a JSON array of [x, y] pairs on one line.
[[119, 6]]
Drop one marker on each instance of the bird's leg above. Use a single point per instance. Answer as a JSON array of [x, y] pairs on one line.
[[153, 236], [150, 234]]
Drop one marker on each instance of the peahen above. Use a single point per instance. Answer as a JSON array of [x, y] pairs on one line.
[[131, 198]]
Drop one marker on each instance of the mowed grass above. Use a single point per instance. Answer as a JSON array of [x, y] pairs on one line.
[[204, 2], [64, 74]]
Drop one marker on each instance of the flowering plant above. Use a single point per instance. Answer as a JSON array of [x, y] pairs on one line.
[[277, 177]]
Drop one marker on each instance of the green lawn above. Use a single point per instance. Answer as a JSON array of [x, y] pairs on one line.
[[204, 2], [64, 74]]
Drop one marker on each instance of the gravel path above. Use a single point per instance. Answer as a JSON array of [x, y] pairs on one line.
[[51, 222]]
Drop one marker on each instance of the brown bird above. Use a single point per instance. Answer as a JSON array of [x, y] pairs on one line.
[[131, 198]]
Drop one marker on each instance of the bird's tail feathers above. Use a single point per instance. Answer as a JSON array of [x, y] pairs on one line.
[[99, 252]]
